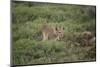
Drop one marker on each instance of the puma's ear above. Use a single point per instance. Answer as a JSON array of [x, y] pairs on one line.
[[56, 28], [63, 28]]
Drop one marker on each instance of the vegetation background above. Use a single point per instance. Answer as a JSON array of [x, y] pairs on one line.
[[27, 21]]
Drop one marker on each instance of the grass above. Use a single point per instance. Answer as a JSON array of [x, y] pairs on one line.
[[27, 21], [38, 52]]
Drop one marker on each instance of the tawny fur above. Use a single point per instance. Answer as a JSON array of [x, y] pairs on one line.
[[52, 32], [83, 37]]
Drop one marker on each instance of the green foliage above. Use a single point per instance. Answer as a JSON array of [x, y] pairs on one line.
[[27, 21]]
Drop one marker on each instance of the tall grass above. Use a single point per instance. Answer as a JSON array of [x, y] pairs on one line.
[[27, 21]]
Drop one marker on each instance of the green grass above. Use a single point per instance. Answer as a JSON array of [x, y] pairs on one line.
[[27, 21], [38, 52]]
